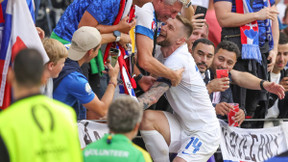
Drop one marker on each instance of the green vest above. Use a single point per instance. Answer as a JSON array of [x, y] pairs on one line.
[[120, 149], [38, 129]]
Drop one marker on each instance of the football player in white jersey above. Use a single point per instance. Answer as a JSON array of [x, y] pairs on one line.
[[192, 131], [148, 24]]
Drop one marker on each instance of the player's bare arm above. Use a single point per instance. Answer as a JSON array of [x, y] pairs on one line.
[[153, 94]]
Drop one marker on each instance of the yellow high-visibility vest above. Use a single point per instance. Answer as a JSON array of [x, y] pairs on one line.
[[38, 129]]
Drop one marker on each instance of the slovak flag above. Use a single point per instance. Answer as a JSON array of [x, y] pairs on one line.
[[17, 31]]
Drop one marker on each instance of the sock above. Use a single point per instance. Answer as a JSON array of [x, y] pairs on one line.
[[156, 145]]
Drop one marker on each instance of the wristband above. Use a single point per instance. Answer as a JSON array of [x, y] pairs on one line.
[[110, 82], [261, 85], [188, 4], [138, 77], [164, 80]]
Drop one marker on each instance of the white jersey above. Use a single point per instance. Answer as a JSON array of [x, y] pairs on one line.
[[147, 23], [190, 100]]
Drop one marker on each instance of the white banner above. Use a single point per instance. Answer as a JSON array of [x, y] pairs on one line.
[[90, 131], [238, 144]]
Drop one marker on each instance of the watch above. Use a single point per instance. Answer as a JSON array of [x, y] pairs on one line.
[[261, 85], [117, 34], [188, 4]]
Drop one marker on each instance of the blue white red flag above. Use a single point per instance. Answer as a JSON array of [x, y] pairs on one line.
[[128, 84], [17, 31]]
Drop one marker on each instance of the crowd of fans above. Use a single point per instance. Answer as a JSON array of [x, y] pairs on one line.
[[166, 50]]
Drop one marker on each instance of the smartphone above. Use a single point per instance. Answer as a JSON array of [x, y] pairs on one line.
[[200, 10], [286, 73], [114, 53]]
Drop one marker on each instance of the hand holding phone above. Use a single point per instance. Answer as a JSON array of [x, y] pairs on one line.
[[284, 81], [286, 73], [114, 54], [201, 10]]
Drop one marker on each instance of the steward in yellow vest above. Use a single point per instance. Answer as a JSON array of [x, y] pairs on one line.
[[36, 128]]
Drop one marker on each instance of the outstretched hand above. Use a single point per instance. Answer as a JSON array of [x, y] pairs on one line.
[[275, 88]]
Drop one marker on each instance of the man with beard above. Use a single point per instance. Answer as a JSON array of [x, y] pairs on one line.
[[225, 58], [219, 88], [253, 26], [149, 20], [203, 54], [194, 119]]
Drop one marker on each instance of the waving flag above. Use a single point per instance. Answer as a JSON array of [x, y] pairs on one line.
[[17, 31]]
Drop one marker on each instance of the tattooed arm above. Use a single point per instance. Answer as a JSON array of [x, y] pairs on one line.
[[151, 96]]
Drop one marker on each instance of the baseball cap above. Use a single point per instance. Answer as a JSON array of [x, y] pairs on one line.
[[84, 39]]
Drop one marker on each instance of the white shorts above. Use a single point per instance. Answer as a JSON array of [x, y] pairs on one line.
[[196, 146]]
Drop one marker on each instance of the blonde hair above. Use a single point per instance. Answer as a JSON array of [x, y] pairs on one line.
[[188, 27], [54, 49]]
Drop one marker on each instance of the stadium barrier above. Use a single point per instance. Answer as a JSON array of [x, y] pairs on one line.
[[237, 144]]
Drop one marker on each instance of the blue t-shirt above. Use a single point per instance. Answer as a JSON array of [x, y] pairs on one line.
[[74, 90], [257, 5], [105, 12]]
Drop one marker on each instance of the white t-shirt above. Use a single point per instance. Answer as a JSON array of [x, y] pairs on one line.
[[190, 100], [216, 97], [273, 111], [146, 22]]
